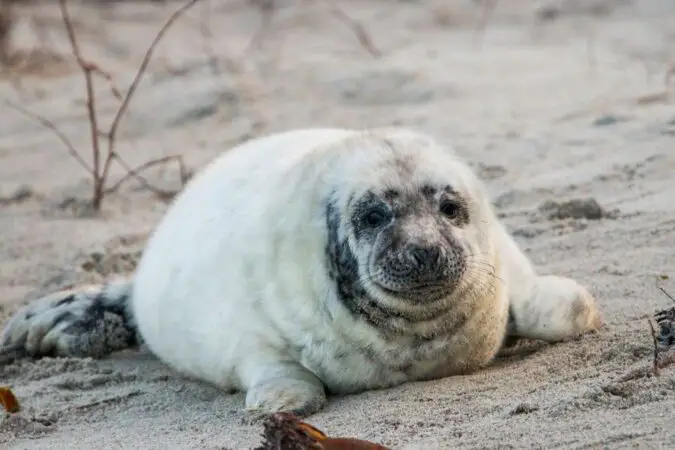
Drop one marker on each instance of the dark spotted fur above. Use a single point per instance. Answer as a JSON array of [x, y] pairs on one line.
[[91, 324], [666, 322], [104, 326], [343, 269]]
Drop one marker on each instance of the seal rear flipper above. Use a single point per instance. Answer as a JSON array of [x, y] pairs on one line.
[[91, 321]]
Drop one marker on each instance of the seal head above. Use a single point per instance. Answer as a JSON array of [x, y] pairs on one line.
[[414, 254], [402, 248]]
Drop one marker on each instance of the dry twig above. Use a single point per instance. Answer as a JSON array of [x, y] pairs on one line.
[[135, 173], [112, 133], [101, 174], [656, 347], [666, 293], [359, 30], [52, 126], [101, 168], [269, 7], [87, 70]]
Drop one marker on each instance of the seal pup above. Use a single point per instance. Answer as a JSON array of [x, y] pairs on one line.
[[318, 261]]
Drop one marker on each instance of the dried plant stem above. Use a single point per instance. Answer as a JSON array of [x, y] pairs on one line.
[[87, 70], [656, 348], [101, 165], [51, 126], [131, 173], [359, 30], [666, 293], [268, 9], [135, 173], [134, 84]]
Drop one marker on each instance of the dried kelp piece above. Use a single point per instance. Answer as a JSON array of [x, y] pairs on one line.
[[350, 444], [282, 431], [8, 400], [285, 431]]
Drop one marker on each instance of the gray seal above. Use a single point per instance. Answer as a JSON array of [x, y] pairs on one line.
[[314, 262]]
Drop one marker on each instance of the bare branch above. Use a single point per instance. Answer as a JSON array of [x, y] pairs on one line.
[[134, 84], [108, 77], [358, 29], [135, 173], [100, 173], [51, 126], [656, 347], [87, 70], [666, 293]]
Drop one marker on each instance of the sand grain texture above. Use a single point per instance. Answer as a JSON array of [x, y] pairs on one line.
[[562, 109]]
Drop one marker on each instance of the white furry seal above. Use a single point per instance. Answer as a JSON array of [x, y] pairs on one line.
[[319, 261]]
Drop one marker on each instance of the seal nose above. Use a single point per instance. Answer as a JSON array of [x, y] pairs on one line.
[[424, 258]]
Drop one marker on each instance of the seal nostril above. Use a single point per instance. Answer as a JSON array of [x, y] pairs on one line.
[[424, 257], [417, 256]]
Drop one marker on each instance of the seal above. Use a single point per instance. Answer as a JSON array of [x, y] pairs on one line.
[[315, 262]]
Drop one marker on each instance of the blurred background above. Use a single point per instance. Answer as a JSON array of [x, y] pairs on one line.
[[466, 68], [565, 108]]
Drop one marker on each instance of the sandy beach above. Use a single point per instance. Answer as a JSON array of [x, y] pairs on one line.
[[551, 101]]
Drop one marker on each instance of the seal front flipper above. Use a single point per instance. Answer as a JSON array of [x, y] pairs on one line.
[[91, 321], [557, 309], [282, 386]]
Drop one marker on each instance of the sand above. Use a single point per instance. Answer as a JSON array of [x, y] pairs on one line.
[[552, 102]]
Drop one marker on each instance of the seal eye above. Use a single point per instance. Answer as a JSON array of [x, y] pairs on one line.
[[375, 218], [450, 209]]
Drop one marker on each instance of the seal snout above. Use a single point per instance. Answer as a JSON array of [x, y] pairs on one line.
[[425, 259], [415, 267]]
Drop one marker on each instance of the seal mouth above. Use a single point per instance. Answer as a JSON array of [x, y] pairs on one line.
[[418, 289], [423, 292]]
